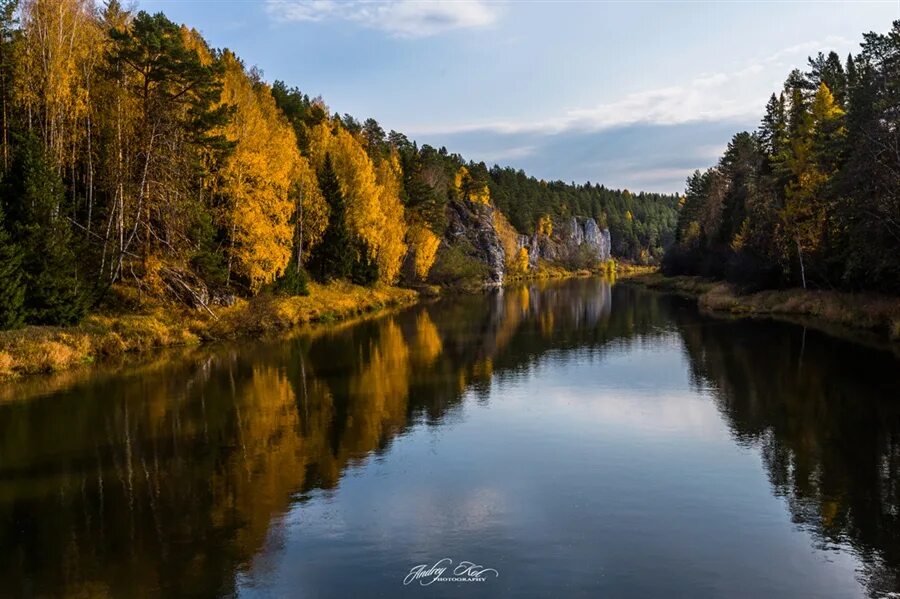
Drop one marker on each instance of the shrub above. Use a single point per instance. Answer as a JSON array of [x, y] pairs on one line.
[[454, 266], [293, 282]]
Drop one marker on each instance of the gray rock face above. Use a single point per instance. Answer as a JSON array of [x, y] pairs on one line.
[[576, 232], [591, 233], [606, 245], [576, 242], [472, 226], [573, 239], [597, 239]]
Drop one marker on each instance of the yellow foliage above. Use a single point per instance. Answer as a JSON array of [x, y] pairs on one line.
[[257, 178], [804, 214], [372, 192], [521, 263], [740, 238], [824, 107], [424, 245], [545, 226], [458, 180], [691, 234], [311, 207], [509, 239], [54, 69], [391, 245], [467, 188]]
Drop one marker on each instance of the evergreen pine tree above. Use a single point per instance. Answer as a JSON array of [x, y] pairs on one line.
[[12, 284], [333, 257], [365, 267], [773, 129], [35, 195]]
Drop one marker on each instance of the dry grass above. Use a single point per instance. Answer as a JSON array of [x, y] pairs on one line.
[[870, 311], [548, 270], [325, 303], [682, 285], [865, 311], [34, 350], [627, 270]]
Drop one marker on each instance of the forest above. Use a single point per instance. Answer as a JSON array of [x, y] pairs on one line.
[[812, 198], [134, 154]]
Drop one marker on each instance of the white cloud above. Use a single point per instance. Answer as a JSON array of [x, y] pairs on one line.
[[653, 176], [401, 18], [513, 153], [737, 94]]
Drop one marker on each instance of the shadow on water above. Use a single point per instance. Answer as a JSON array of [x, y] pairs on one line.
[[171, 480]]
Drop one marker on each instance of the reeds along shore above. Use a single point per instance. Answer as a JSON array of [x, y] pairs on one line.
[[868, 311]]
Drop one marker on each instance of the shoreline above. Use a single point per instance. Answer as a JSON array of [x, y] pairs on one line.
[[869, 312], [138, 328], [154, 326]]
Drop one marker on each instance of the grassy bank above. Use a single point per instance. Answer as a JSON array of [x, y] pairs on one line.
[[548, 270], [610, 269], [867, 311], [136, 326]]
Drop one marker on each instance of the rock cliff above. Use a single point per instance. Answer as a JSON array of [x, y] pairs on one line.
[[471, 231], [472, 248], [575, 243]]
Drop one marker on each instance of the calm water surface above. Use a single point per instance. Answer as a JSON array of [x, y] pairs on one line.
[[582, 440]]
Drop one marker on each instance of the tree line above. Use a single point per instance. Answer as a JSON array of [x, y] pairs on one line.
[[641, 225], [812, 198], [132, 153]]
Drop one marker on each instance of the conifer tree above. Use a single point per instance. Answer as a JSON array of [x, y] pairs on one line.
[[333, 258], [773, 130], [34, 194], [12, 284]]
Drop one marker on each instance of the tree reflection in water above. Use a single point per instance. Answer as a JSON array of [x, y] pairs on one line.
[[171, 480]]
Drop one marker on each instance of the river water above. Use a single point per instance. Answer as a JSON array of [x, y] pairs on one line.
[[570, 438]]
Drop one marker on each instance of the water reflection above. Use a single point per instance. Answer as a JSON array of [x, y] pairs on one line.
[[173, 481], [826, 418]]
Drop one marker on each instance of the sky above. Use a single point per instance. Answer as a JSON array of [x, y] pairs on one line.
[[633, 95]]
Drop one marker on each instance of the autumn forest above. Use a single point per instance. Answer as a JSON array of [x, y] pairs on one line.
[[252, 344], [812, 198], [133, 154]]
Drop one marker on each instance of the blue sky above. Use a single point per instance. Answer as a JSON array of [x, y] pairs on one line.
[[633, 95]]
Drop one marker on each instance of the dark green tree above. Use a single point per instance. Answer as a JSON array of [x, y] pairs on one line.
[[376, 142], [168, 75], [830, 71], [773, 129], [12, 281], [34, 202], [365, 268], [333, 258]]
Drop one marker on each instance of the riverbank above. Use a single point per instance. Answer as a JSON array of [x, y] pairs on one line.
[[131, 326], [140, 326], [864, 311], [610, 269]]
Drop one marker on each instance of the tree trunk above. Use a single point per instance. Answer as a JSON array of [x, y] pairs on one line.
[[802, 267], [300, 234]]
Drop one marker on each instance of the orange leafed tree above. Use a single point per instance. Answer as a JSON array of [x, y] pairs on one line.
[[392, 247], [54, 71], [257, 178], [375, 214], [423, 244], [468, 188]]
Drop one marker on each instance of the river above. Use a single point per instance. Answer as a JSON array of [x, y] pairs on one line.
[[570, 438]]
